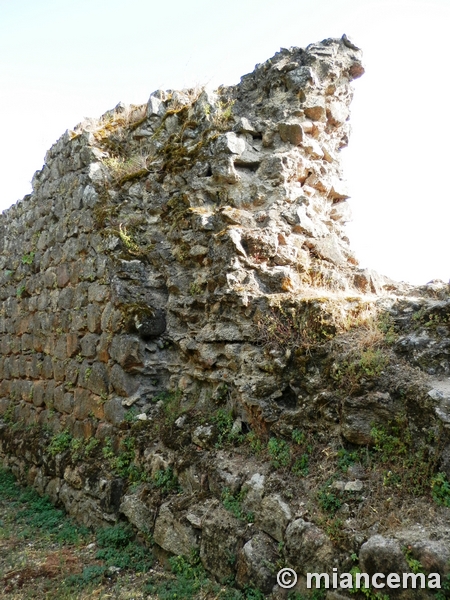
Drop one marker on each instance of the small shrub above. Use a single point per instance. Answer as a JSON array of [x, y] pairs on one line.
[[409, 462], [279, 452], [122, 462], [107, 450], [387, 327], [223, 420], [440, 489], [368, 363], [27, 259], [91, 445], [166, 481], [8, 415], [130, 415], [76, 449], [117, 536], [90, 575], [298, 436], [334, 530], [59, 443], [346, 459], [329, 502], [191, 579], [255, 442], [233, 503], [301, 465], [171, 405], [118, 549]]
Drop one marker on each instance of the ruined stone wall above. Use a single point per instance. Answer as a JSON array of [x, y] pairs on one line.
[[176, 222], [168, 291], [54, 290]]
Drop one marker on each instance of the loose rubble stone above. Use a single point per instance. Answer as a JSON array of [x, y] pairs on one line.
[[308, 548], [173, 534], [273, 516], [256, 563]]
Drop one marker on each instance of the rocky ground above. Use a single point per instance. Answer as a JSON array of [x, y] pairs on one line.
[[45, 555]]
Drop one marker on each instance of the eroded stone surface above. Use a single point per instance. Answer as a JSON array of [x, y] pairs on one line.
[[177, 290]]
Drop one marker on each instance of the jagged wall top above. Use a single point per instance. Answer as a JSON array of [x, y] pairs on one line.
[[176, 221]]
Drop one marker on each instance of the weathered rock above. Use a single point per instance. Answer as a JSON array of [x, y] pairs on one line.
[[222, 539], [122, 383], [203, 436], [291, 132], [360, 415], [382, 555], [173, 533], [256, 564], [114, 411], [273, 516], [354, 486], [308, 548], [253, 489], [137, 511], [433, 554], [128, 352]]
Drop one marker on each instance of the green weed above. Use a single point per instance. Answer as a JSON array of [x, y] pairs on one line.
[[444, 592], [166, 481], [367, 592], [59, 443], [195, 289], [233, 503], [80, 449], [8, 415], [223, 420], [298, 436], [37, 514], [409, 465], [279, 452], [329, 502], [346, 459], [171, 405], [255, 442], [93, 574], [369, 363], [415, 566], [27, 259], [122, 462], [118, 549], [440, 489], [190, 580], [301, 465]]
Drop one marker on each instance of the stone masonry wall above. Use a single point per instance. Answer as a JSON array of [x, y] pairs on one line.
[[237, 197], [168, 290]]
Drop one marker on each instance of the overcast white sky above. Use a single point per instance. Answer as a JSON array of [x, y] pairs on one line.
[[61, 61]]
